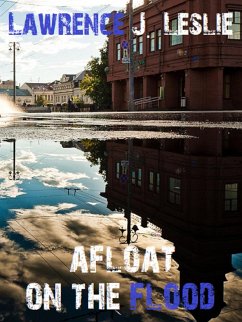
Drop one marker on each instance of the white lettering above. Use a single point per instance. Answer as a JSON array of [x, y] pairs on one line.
[[150, 259], [182, 24], [49, 295], [38, 296], [79, 260]]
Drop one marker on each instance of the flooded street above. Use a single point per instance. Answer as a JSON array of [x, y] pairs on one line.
[[163, 180]]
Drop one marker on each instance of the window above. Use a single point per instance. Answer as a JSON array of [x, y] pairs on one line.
[[227, 86], [151, 181], [154, 182], [175, 191], [117, 170], [157, 182], [159, 39], [175, 39], [136, 177], [237, 25], [231, 197], [152, 41], [134, 45], [118, 51], [133, 177], [140, 45], [139, 182]]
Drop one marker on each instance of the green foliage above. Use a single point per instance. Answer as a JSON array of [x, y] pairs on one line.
[[78, 102], [95, 81], [95, 152]]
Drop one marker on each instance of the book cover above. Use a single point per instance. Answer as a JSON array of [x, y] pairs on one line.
[[120, 161]]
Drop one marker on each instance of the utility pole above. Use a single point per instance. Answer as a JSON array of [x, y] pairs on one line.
[[14, 46], [131, 108], [131, 59]]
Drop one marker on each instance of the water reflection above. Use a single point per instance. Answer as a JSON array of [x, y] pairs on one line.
[[190, 188], [82, 192]]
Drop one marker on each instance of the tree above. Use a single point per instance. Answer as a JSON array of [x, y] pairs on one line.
[[95, 152], [95, 80]]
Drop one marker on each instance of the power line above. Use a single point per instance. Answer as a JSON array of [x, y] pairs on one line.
[[48, 250], [33, 4], [42, 40], [8, 9], [42, 5], [38, 253], [3, 3]]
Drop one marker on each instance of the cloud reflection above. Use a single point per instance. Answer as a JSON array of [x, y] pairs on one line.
[[48, 176], [56, 236]]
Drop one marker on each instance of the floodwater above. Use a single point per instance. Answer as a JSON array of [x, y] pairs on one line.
[[73, 180]]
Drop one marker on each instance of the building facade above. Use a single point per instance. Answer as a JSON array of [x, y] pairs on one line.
[[195, 72], [40, 90], [63, 89], [59, 91], [6, 84], [78, 93], [68, 87], [23, 97]]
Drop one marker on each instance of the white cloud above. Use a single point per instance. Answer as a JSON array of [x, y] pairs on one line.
[[93, 203], [68, 157], [26, 157], [52, 177], [63, 5], [49, 177], [9, 189], [57, 54], [52, 46]]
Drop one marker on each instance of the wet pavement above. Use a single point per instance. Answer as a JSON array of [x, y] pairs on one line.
[[79, 179]]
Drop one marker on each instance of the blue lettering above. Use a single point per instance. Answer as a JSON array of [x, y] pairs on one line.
[[103, 29], [29, 24], [167, 296], [46, 24], [11, 29], [209, 289], [194, 296], [149, 303], [64, 22], [88, 23], [77, 23], [117, 23], [134, 295]]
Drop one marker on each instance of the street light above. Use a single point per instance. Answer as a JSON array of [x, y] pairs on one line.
[[13, 175], [129, 239], [14, 46]]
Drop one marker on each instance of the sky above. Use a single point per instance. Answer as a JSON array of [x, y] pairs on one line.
[[45, 58]]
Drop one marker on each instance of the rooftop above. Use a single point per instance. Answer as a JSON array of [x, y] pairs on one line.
[[19, 92]]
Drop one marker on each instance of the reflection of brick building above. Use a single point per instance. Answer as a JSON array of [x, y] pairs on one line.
[[178, 176], [191, 189], [207, 70]]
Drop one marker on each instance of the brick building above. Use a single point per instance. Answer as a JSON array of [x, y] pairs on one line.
[[206, 70]]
